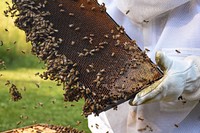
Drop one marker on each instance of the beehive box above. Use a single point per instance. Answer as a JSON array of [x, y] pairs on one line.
[[85, 50], [44, 128]]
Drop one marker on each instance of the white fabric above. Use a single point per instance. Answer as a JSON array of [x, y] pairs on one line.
[[181, 78], [145, 10], [168, 30]]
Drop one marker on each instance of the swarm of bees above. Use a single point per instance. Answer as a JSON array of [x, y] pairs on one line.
[[15, 94], [99, 69]]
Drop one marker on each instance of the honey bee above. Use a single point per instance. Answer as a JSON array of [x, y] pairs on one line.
[[127, 12], [139, 118], [78, 123], [18, 123], [82, 6], [177, 51], [175, 125], [1, 43]]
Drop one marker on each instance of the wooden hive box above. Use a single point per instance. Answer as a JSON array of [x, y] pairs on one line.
[[44, 128]]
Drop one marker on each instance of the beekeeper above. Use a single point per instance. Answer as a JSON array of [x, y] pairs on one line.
[[170, 31]]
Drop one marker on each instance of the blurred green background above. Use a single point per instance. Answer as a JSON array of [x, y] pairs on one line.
[[14, 43], [42, 101]]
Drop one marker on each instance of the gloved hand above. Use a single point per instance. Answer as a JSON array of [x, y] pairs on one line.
[[181, 78]]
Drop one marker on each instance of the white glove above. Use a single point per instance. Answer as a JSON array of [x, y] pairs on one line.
[[145, 10], [181, 78]]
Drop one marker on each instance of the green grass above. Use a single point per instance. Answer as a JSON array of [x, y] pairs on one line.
[[53, 111], [14, 59]]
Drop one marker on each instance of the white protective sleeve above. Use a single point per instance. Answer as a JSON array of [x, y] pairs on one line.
[[193, 92], [145, 10]]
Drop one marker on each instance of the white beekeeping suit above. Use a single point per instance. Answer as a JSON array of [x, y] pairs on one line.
[[172, 27]]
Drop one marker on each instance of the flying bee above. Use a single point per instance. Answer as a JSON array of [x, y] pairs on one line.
[[8, 49], [53, 100], [78, 123], [36, 74], [23, 52], [139, 118], [1, 43], [7, 3], [97, 125], [18, 123], [40, 104], [177, 51], [145, 21], [38, 85], [7, 82], [127, 12], [175, 125], [21, 116]]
